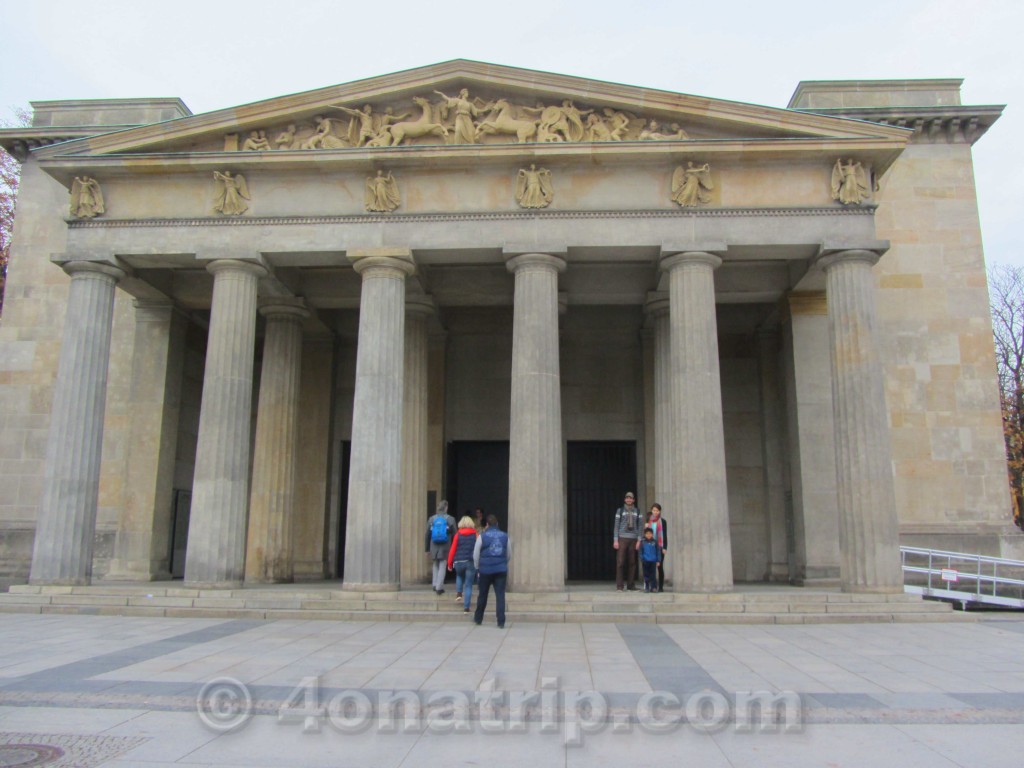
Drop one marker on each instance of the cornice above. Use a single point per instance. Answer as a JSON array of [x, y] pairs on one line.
[[20, 141], [262, 221], [931, 125]]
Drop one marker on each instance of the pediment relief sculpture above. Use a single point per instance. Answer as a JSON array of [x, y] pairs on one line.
[[533, 187], [232, 192], [382, 193], [850, 185], [460, 119], [691, 185], [86, 198]]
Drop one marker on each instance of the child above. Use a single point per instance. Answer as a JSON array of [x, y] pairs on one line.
[[649, 557]]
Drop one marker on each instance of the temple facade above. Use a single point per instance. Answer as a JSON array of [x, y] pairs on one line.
[[261, 344]]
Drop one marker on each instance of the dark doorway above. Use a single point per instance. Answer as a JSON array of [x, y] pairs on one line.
[[478, 477], [599, 474], [346, 456], [179, 531]]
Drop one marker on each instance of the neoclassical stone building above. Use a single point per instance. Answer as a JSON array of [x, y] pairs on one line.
[[260, 344]]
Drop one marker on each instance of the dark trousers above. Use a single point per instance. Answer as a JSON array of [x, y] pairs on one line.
[[625, 563], [650, 575], [486, 580], [661, 573]]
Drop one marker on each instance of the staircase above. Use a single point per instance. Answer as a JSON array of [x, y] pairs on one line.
[[589, 603]]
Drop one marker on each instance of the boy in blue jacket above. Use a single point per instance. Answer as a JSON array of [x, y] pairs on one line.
[[650, 555]]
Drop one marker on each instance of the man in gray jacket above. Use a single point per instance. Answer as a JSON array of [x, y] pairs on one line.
[[625, 539]]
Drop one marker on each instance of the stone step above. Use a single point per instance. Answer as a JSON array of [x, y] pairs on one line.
[[339, 605]]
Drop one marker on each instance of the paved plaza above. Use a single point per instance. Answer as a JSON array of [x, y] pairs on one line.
[[89, 691]]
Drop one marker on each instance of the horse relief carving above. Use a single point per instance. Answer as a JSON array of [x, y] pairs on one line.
[[440, 118]]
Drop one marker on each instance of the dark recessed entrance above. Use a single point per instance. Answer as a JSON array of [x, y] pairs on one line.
[[478, 477], [599, 474]]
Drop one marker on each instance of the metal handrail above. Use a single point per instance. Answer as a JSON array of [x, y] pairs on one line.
[[941, 563]]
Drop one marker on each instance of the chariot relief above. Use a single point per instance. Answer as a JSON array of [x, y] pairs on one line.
[[440, 118]]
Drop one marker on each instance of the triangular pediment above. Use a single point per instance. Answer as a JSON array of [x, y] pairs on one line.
[[517, 106]]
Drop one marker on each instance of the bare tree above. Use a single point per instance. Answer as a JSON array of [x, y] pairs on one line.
[[10, 174], [1006, 298]]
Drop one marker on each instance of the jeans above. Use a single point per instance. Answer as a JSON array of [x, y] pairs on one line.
[[465, 573], [650, 575], [486, 580]]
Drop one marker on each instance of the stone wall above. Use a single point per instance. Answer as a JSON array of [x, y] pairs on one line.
[[948, 453]]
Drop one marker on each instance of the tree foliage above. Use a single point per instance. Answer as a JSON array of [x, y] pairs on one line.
[[10, 174], [1006, 297]]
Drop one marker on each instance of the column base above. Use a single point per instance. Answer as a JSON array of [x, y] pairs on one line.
[[212, 584], [374, 587], [817, 583], [703, 589], [60, 582], [137, 571]]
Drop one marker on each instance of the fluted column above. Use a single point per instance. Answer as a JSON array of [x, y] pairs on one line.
[[701, 545], [415, 567], [220, 486], [372, 539], [868, 525], [142, 548], [658, 307], [536, 496], [269, 556], [66, 525], [772, 434]]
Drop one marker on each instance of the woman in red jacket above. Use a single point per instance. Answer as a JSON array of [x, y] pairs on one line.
[[460, 559]]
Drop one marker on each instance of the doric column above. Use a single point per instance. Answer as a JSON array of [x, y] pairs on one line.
[[810, 433], [269, 557], [142, 548], [415, 567], [536, 495], [220, 486], [372, 539], [701, 545], [66, 525], [314, 455], [658, 307], [772, 442], [868, 525]]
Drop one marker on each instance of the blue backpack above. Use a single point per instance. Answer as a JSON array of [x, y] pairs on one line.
[[439, 530]]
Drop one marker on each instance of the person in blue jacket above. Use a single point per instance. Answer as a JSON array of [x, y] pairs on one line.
[[650, 556], [490, 556]]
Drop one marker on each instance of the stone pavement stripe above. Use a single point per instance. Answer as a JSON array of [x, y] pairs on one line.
[[73, 672], [664, 663], [992, 700], [847, 700], [1009, 626]]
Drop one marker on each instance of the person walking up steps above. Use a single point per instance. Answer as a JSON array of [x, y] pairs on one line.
[[491, 556], [460, 559], [440, 527]]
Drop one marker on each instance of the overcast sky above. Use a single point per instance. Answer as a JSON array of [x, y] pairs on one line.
[[216, 55]]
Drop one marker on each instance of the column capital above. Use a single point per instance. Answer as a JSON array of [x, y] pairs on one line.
[[545, 261], [117, 274], [420, 305], [236, 265], [832, 253], [281, 307], [671, 261], [657, 303], [382, 262]]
